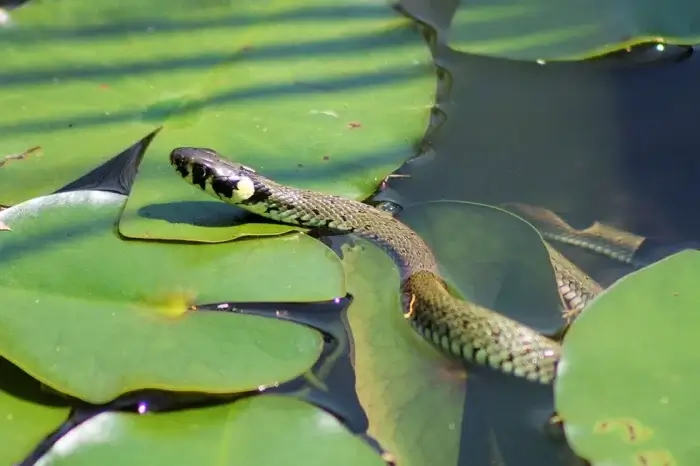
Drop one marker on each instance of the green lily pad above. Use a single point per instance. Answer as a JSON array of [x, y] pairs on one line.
[[23, 422], [414, 395], [266, 429], [628, 380], [330, 94], [568, 30], [93, 315]]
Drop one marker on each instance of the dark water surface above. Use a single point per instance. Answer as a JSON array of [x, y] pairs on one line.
[[612, 139]]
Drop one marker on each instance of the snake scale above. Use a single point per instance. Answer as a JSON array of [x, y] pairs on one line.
[[457, 327]]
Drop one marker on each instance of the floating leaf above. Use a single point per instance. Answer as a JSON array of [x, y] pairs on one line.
[[24, 421], [628, 380], [109, 315], [566, 30], [267, 429]]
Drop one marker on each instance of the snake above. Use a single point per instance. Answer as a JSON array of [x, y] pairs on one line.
[[458, 328]]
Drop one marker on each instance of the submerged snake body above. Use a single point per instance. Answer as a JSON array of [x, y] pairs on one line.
[[458, 328]]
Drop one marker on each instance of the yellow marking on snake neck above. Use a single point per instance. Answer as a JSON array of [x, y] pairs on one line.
[[245, 188]]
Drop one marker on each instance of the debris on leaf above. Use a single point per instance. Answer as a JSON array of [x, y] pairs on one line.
[[21, 156]]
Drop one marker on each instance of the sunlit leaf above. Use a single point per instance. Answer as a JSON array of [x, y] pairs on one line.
[[265, 429], [105, 315], [328, 94]]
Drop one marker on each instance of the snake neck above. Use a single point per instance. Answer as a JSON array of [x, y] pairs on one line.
[[344, 216]]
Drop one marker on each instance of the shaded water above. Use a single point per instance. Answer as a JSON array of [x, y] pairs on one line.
[[610, 140]]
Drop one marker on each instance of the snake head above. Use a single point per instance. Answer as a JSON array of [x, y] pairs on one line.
[[220, 177]]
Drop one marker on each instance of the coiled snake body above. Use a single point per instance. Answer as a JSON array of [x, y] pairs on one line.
[[459, 328]]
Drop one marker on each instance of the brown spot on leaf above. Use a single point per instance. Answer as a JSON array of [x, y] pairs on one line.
[[354, 124], [656, 458], [630, 429], [326, 157]]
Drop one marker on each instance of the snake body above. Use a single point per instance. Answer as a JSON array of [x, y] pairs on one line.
[[457, 327]]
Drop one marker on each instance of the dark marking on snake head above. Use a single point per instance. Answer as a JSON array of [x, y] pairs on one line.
[[200, 173], [224, 187], [181, 168]]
